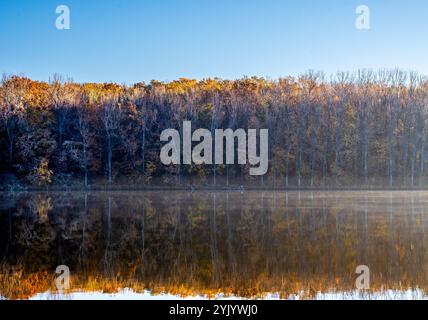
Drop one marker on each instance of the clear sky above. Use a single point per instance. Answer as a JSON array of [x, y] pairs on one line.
[[139, 40]]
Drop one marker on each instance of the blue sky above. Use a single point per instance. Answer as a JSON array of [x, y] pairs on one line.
[[129, 41]]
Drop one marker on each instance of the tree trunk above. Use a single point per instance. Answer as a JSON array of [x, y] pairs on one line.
[[85, 160], [422, 160], [109, 159], [287, 163], [10, 153], [143, 144], [366, 152], [10, 139]]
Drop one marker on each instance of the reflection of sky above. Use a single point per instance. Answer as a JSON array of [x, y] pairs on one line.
[[130, 41], [131, 295]]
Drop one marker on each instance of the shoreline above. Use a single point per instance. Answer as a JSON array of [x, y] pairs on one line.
[[191, 189]]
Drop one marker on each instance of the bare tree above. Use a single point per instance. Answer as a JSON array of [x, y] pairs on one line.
[[12, 103], [84, 130], [60, 99], [109, 118]]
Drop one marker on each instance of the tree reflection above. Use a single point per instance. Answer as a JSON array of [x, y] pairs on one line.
[[236, 243]]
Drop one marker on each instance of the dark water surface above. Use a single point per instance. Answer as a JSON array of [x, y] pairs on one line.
[[245, 244]]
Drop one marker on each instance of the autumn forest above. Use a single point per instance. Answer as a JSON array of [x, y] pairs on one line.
[[365, 130]]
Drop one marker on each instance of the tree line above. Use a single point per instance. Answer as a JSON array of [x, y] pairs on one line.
[[355, 129]]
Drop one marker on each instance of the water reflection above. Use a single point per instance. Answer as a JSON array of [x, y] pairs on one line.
[[205, 243]]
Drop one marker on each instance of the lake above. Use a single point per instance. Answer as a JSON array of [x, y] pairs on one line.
[[250, 244]]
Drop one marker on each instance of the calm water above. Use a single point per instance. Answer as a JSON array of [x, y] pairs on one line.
[[246, 244]]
